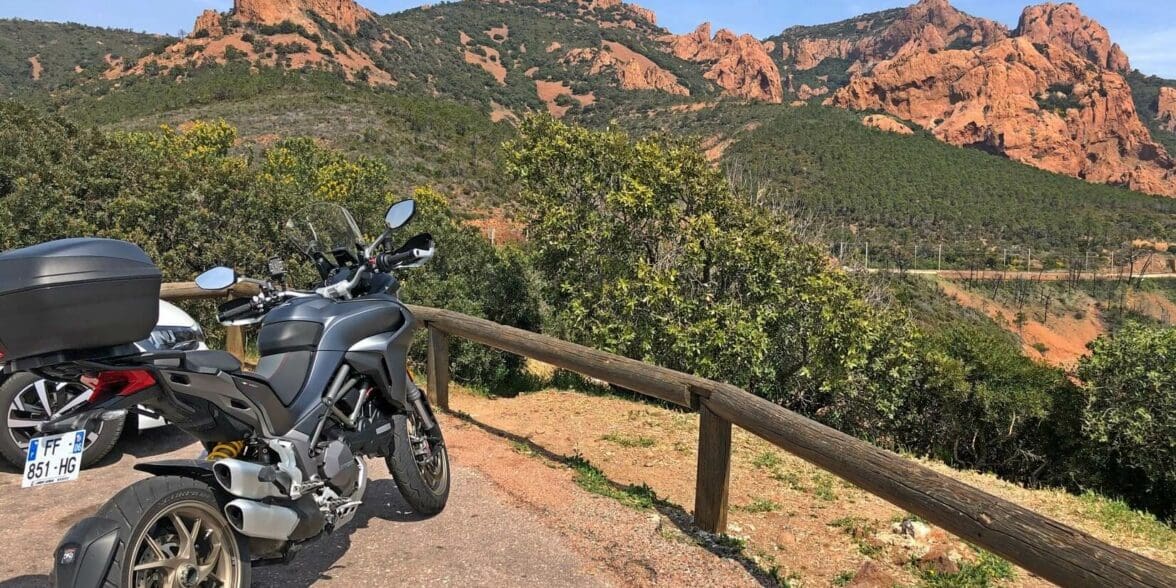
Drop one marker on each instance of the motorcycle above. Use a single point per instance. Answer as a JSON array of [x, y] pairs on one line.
[[286, 443]]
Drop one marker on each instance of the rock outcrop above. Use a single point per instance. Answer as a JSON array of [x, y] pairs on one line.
[[1166, 109], [935, 24], [345, 14], [298, 48], [1040, 104], [886, 123], [208, 24], [738, 64], [633, 70], [1065, 24]]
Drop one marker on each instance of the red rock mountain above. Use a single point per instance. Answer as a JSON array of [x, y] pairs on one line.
[[935, 23], [738, 64], [1051, 97], [1065, 24], [270, 33], [1050, 93]]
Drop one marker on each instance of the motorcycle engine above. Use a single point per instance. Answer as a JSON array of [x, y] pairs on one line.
[[339, 468]]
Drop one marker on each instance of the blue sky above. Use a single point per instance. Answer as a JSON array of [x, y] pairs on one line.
[[1145, 28]]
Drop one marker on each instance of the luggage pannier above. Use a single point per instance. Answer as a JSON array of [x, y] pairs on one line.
[[75, 295]]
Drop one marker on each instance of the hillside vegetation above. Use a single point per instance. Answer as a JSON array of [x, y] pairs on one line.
[[862, 185], [62, 54]]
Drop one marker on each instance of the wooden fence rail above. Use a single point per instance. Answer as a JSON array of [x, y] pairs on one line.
[[1050, 549], [1046, 547]]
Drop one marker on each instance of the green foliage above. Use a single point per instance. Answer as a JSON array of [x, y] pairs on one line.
[[894, 192], [1130, 411], [191, 202], [425, 66], [1144, 91], [987, 570], [629, 441], [646, 252], [470, 276], [592, 479], [60, 48]]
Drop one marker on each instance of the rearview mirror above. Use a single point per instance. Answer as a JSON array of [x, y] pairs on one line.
[[217, 278], [399, 214]]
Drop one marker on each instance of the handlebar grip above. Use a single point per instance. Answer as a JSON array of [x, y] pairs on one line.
[[388, 261], [233, 313]]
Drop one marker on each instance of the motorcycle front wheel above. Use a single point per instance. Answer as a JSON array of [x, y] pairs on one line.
[[175, 535], [419, 464]]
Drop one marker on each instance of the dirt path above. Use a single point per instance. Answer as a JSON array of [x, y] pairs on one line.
[[511, 521]]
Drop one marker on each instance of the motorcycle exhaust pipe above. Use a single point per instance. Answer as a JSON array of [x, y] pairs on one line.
[[264, 521], [243, 479]]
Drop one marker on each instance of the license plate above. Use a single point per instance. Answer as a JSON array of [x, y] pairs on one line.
[[53, 459]]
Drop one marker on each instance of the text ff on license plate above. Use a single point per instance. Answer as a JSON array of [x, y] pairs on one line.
[[53, 459]]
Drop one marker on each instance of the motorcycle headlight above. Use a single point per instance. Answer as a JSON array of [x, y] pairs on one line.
[[174, 339]]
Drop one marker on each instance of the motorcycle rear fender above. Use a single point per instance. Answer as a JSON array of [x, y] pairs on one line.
[[196, 469], [85, 553]]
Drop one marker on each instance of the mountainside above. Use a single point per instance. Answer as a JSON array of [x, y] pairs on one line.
[[41, 56]]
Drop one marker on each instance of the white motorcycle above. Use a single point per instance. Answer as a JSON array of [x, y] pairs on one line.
[[31, 401]]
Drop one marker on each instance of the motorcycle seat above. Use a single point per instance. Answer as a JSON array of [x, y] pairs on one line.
[[210, 362]]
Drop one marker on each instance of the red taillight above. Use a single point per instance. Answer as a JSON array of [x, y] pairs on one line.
[[107, 384]]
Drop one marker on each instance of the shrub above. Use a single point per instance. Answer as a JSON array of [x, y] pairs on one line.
[[647, 252], [1130, 412]]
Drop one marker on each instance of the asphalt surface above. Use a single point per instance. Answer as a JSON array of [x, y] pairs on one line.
[[481, 539]]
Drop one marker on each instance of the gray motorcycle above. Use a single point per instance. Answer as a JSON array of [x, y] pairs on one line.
[[286, 443]]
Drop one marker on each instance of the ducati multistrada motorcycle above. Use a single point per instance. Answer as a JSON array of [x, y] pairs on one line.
[[286, 442]]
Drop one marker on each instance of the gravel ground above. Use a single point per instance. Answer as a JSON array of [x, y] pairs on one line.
[[511, 521]]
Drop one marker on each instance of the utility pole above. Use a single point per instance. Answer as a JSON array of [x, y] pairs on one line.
[[1029, 263], [841, 255], [867, 256], [940, 264]]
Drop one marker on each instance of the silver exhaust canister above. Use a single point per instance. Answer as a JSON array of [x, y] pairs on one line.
[[243, 479], [264, 521]]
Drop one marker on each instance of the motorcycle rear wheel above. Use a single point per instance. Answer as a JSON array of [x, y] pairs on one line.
[[175, 535]]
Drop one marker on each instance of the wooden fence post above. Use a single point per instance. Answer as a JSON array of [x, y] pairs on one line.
[[438, 384], [714, 471], [235, 342]]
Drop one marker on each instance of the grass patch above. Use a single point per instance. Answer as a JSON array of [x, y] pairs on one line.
[[843, 578], [590, 478], [988, 570], [792, 479], [735, 545], [1117, 517], [767, 460], [824, 487], [522, 448], [627, 441], [862, 531], [759, 505]]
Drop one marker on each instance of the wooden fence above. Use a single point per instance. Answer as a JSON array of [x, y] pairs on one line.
[[1046, 547]]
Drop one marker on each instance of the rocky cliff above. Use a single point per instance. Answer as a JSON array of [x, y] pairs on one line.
[[738, 64], [1065, 24], [1038, 103], [294, 34], [872, 38], [1166, 109]]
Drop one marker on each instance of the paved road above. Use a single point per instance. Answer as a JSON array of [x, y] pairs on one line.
[[481, 539]]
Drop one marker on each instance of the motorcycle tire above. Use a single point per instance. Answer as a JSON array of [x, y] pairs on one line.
[[14, 442], [424, 483], [150, 513]]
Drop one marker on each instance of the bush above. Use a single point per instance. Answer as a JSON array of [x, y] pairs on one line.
[[646, 251], [192, 203], [1130, 413]]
